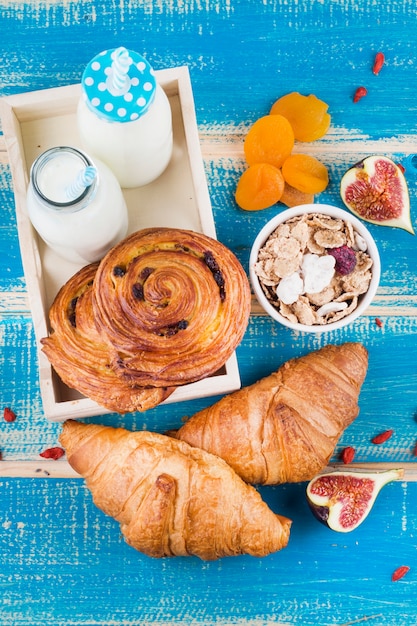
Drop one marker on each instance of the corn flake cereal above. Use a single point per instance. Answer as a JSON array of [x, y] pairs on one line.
[[299, 273]]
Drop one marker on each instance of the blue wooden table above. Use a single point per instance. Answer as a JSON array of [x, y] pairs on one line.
[[63, 562]]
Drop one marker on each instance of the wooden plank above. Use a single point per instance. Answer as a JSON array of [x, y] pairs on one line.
[[62, 469], [37, 469], [15, 303]]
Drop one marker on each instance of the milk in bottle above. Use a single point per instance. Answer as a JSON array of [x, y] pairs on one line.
[[124, 117], [76, 204]]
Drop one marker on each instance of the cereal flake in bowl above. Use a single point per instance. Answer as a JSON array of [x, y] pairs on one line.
[[314, 268]]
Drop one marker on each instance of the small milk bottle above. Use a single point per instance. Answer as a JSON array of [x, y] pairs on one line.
[[124, 117], [76, 205]]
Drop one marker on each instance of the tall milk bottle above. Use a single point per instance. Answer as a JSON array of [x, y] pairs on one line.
[[124, 117], [76, 204]]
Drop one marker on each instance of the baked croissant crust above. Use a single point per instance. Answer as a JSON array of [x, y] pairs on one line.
[[172, 304], [172, 499], [285, 427], [81, 358]]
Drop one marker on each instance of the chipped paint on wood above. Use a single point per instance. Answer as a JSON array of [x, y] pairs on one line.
[[63, 562]]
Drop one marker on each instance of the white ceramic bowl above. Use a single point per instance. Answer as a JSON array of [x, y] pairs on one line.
[[331, 211]]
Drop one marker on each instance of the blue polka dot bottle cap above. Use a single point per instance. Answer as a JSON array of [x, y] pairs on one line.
[[119, 85]]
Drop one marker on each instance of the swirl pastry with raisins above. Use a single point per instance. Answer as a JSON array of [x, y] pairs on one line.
[[171, 304], [165, 307], [81, 358]]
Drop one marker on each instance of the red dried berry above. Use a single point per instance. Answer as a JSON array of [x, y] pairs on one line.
[[52, 453], [9, 415], [383, 437], [348, 454], [360, 93], [378, 63], [378, 322], [345, 259], [400, 572]]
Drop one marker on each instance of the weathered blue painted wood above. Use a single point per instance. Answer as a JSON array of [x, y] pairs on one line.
[[388, 397], [62, 562], [67, 565], [237, 52]]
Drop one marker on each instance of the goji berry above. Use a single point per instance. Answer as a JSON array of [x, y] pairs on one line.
[[348, 454], [378, 62], [52, 453], [360, 93], [382, 437], [9, 415], [378, 322], [400, 572]]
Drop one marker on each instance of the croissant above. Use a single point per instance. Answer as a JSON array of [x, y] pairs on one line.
[[81, 358], [284, 428], [170, 498], [173, 305]]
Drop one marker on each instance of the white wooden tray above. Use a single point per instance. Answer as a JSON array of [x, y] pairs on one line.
[[35, 121]]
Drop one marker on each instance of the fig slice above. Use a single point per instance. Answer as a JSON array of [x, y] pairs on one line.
[[343, 499], [376, 191]]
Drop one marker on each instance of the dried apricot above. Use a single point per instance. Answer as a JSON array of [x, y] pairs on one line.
[[294, 197], [259, 187], [305, 173], [269, 140], [307, 115]]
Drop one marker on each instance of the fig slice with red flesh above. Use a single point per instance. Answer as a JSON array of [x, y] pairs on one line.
[[376, 191], [342, 499]]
